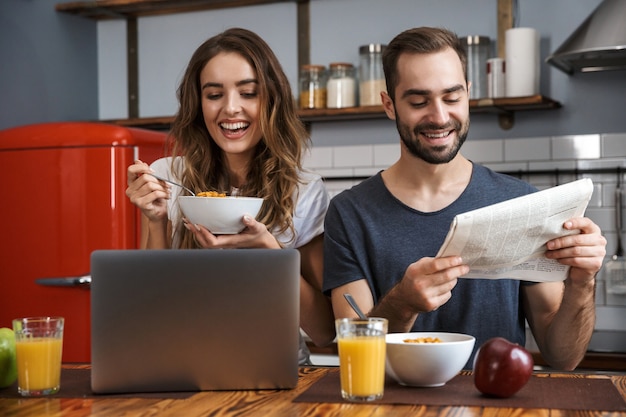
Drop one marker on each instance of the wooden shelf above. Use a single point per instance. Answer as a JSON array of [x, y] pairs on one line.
[[124, 9], [512, 104], [348, 113], [504, 107]]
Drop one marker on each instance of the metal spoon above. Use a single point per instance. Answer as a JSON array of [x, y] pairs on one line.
[[173, 183], [354, 306]]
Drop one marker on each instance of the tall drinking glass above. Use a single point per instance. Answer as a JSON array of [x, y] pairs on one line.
[[38, 348], [361, 344]]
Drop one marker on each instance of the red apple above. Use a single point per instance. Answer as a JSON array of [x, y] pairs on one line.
[[501, 368]]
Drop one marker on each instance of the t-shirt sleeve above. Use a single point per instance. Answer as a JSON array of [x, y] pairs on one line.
[[161, 167], [312, 203], [343, 246]]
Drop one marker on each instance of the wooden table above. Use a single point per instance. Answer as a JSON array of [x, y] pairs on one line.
[[263, 403]]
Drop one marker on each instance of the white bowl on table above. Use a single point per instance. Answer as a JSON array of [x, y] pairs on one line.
[[220, 215], [427, 364]]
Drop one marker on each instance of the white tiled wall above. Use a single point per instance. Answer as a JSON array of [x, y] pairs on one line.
[[348, 164]]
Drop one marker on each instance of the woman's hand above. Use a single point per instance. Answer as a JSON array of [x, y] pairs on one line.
[[255, 235], [146, 192]]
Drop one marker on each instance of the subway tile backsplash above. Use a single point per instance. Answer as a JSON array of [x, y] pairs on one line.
[[385, 155], [353, 156], [484, 150], [532, 149], [576, 147], [350, 164], [614, 145]]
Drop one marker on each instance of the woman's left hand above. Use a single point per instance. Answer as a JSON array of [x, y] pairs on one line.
[[255, 235]]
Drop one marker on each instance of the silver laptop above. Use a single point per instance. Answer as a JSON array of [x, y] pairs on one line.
[[189, 320]]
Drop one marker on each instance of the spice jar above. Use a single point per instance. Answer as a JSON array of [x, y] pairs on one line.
[[371, 76], [313, 87], [341, 86]]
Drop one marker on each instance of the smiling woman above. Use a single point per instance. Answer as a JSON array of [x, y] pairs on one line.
[[223, 138], [225, 141]]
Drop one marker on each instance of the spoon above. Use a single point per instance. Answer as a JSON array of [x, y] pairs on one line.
[[354, 306], [173, 183]]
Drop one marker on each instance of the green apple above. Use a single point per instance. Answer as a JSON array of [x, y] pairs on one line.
[[8, 362]]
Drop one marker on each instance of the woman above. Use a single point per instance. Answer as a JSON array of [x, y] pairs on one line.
[[237, 130]]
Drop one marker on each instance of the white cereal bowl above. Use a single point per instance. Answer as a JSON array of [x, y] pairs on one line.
[[427, 364], [221, 215]]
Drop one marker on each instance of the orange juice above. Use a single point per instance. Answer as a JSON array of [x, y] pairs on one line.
[[362, 365], [39, 363]]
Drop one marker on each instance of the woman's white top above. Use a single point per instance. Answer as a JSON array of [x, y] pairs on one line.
[[311, 203]]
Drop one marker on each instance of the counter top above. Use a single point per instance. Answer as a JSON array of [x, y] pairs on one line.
[[265, 403]]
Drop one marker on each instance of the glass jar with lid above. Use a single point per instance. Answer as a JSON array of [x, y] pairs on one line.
[[371, 76], [478, 50], [313, 80], [341, 86]]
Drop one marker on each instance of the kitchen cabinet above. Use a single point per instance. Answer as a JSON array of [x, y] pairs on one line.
[[130, 10]]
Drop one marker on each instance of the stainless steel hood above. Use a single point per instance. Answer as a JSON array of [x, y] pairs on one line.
[[599, 43]]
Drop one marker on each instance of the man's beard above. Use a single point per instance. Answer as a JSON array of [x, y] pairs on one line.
[[437, 154]]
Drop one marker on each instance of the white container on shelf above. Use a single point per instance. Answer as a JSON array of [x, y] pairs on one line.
[[341, 86], [522, 62], [495, 78]]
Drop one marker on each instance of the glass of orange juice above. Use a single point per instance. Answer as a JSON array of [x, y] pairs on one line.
[[361, 344], [38, 348]]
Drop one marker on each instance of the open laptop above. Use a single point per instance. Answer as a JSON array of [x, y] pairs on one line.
[[188, 320]]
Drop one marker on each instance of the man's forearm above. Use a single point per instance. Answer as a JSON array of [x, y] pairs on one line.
[[391, 307], [572, 327]]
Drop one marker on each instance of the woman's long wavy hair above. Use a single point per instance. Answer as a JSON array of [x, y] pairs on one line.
[[273, 172]]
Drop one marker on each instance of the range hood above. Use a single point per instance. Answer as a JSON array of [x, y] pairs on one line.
[[599, 43]]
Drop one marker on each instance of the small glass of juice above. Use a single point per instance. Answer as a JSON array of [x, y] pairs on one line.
[[38, 348], [361, 345]]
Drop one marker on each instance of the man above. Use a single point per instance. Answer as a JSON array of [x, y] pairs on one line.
[[382, 235]]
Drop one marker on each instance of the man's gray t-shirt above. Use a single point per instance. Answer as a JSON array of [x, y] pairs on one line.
[[372, 235]]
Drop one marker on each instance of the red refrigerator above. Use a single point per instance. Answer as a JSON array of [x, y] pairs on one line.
[[63, 197]]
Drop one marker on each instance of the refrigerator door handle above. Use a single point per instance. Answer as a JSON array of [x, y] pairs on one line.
[[80, 282]]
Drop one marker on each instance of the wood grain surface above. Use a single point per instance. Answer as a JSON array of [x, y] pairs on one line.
[[267, 403]]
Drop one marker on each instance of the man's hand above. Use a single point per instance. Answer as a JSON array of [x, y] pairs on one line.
[[583, 252]]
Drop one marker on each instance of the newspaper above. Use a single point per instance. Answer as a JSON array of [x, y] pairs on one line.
[[508, 239]]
